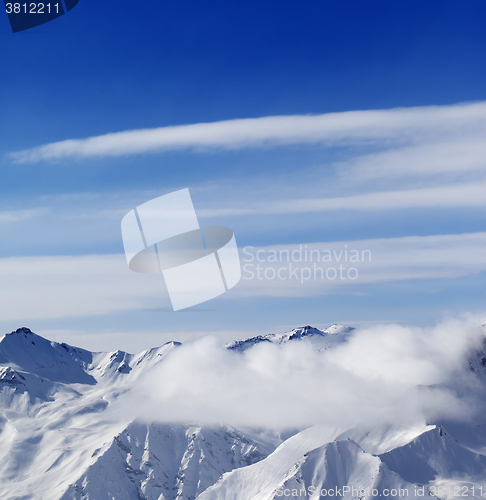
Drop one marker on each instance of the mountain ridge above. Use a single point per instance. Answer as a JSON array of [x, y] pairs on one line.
[[326, 338], [59, 439]]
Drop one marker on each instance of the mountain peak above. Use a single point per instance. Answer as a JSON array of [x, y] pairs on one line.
[[304, 331], [26, 351], [23, 330], [337, 329]]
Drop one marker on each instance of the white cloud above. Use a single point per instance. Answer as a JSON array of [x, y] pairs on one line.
[[373, 378], [77, 286], [450, 157], [17, 215], [453, 196], [399, 126], [73, 286]]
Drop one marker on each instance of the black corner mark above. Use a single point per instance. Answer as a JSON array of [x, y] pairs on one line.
[[70, 4], [24, 15]]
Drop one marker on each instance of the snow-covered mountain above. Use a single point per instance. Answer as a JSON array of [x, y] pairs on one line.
[[178, 462], [320, 339], [62, 437]]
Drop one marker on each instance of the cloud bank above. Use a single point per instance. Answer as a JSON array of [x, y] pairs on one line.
[[372, 378]]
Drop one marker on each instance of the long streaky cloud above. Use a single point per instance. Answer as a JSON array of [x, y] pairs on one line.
[[469, 195], [395, 126]]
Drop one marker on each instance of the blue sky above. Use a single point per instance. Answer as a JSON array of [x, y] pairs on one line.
[[114, 67]]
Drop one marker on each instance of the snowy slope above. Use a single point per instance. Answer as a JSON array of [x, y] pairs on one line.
[[435, 453], [298, 465], [385, 437], [262, 479], [343, 468], [178, 461], [431, 456]]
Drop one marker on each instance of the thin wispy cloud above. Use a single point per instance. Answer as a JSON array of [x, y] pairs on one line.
[[450, 157], [452, 196], [18, 215], [382, 127]]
